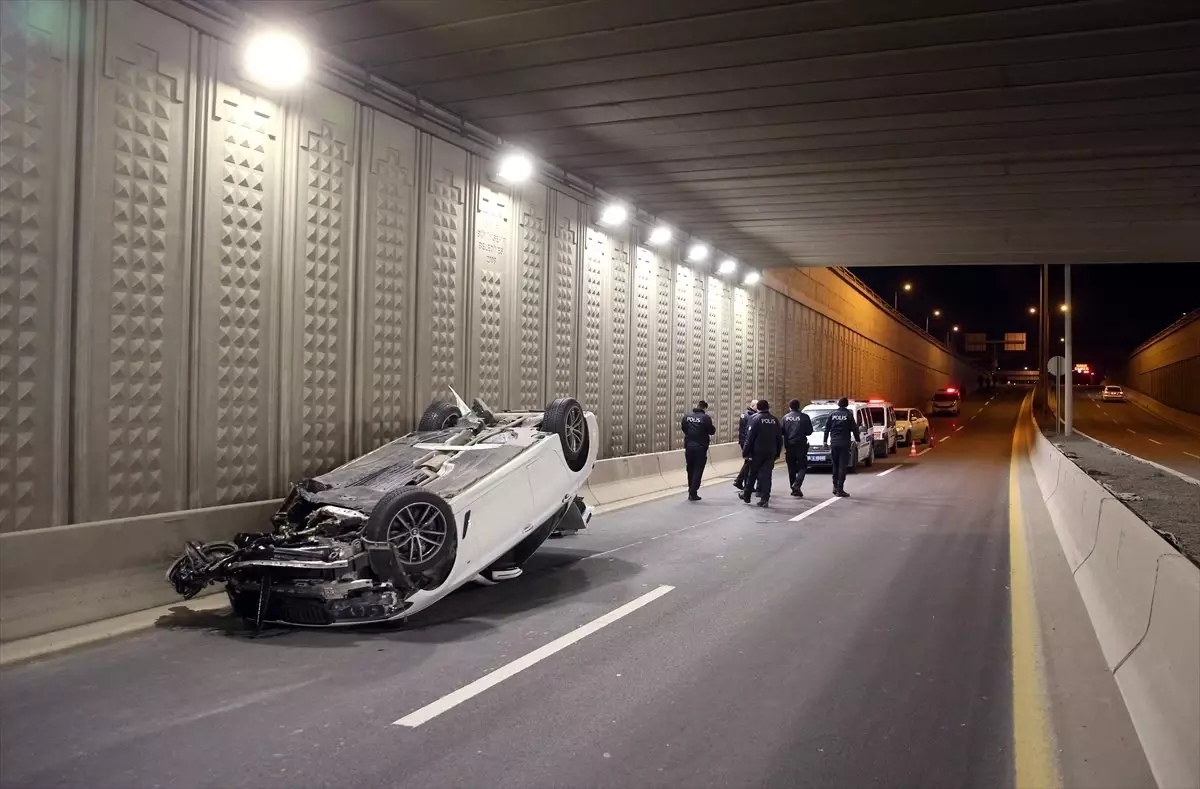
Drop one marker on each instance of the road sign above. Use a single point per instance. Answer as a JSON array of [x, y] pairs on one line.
[[1083, 368], [1014, 341], [976, 343], [1057, 366]]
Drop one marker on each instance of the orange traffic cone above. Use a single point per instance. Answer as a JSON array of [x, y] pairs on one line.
[[912, 450]]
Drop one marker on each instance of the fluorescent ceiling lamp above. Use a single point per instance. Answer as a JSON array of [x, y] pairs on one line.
[[697, 252], [751, 278], [275, 59], [515, 168], [613, 214], [660, 235], [728, 266]]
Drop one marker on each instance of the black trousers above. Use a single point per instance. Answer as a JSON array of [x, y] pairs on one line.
[[797, 464], [696, 459], [745, 479], [759, 476], [841, 457]]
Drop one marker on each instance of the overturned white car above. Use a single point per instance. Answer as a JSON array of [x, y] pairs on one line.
[[470, 495]]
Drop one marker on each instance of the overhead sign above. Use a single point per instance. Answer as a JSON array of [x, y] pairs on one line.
[[976, 342], [1014, 341], [1083, 368], [1057, 366]]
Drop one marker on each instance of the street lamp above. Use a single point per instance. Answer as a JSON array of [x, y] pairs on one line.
[[936, 314], [1062, 307], [1033, 310], [907, 287]]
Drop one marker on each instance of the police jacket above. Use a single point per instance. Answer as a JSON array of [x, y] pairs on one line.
[[840, 427], [765, 436], [797, 427], [744, 426], [697, 427]]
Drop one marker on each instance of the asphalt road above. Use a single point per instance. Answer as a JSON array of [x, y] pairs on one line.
[[866, 644], [1138, 432]]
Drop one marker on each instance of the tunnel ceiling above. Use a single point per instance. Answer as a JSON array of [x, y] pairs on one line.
[[841, 132]]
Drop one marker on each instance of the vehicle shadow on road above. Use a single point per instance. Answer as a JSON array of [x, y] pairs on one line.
[[552, 576]]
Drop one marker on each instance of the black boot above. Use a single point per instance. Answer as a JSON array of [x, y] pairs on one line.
[[763, 503], [692, 496]]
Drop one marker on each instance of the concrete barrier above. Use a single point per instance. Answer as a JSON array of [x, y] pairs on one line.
[[1174, 416], [71, 575], [1143, 599]]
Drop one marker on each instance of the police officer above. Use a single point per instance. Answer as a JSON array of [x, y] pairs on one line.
[[698, 428], [743, 430], [764, 442], [797, 427], [838, 430]]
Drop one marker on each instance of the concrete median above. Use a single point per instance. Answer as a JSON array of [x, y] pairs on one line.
[[1143, 599]]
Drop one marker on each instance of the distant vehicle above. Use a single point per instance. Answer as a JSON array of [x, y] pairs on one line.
[[945, 401], [1112, 394], [883, 423], [818, 453], [911, 425]]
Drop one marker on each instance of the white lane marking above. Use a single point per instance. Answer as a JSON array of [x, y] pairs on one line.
[[958, 428], [467, 692], [1156, 442], [923, 451], [820, 506], [667, 534], [1132, 431], [944, 440], [889, 471], [1189, 454]]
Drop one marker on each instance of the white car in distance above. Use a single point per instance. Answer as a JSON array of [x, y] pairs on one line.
[[911, 425], [1112, 394]]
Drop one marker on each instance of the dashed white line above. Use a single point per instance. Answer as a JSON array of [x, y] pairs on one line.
[[923, 451], [820, 506], [958, 428], [1131, 431], [944, 440], [1152, 440], [889, 471], [467, 692], [1189, 454]]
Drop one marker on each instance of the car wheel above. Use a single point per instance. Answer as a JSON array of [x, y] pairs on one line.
[[565, 416], [892, 448], [440, 415], [410, 531], [907, 438]]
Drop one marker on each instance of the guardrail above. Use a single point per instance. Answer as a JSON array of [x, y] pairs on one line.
[[1143, 598]]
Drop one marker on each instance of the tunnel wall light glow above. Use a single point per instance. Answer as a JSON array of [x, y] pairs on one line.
[[697, 253], [728, 266], [515, 168], [613, 215], [751, 278], [276, 59], [660, 235]]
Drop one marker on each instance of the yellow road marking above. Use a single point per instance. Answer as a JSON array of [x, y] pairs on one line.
[[1033, 740]]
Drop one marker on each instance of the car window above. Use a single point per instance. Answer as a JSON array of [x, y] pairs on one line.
[[877, 415], [914, 414], [819, 419]]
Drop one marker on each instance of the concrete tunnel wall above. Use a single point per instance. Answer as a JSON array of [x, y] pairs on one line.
[[227, 290], [1167, 366]]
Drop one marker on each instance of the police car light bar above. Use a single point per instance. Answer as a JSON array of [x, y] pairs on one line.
[[950, 390], [876, 401]]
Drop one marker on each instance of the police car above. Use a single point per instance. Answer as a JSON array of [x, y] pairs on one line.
[[883, 422], [863, 452]]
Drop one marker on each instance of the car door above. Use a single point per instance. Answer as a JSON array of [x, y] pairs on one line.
[[918, 424], [866, 432]]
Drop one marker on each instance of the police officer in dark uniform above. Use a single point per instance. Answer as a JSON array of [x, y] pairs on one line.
[[797, 427], [838, 430], [698, 429], [743, 430], [764, 442]]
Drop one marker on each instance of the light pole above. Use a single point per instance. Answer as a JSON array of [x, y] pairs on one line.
[[936, 314], [953, 330], [1068, 398], [907, 287]]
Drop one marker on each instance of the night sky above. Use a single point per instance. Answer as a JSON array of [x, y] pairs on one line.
[[1117, 307]]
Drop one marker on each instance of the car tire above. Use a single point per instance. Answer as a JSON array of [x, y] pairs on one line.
[[892, 448], [908, 438], [440, 415], [565, 416], [410, 531]]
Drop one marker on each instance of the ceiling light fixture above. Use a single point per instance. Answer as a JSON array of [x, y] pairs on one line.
[[728, 266], [515, 168], [751, 278], [697, 252], [613, 215], [275, 59], [660, 235]]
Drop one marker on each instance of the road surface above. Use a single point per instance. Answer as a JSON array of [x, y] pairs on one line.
[[865, 644], [1138, 432]]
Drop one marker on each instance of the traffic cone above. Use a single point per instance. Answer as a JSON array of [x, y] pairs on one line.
[[912, 449]]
